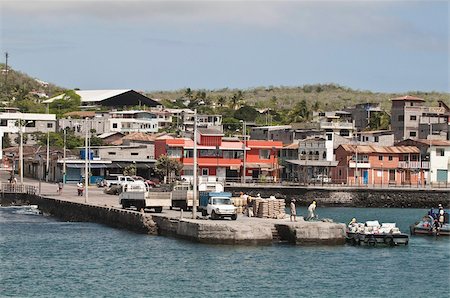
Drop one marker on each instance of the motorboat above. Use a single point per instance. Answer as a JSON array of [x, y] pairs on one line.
[[427, 225], [371, 233]]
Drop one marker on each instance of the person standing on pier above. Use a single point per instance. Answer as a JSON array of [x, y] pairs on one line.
[[293, 211], [311, 210]]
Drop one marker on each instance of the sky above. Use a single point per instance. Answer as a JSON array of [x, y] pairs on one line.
[[381, 46]]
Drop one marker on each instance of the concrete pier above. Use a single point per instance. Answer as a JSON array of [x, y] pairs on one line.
[[105, 209]]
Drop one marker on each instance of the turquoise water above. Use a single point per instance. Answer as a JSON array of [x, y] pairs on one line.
[[44, 257]]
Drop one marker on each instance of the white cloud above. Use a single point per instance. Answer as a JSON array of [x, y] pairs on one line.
[[329, 20]]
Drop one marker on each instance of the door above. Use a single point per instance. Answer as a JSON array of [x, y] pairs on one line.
[[365, 176], [391, 176], [442, 176]]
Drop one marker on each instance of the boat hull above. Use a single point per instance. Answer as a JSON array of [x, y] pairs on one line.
[[377, 239]]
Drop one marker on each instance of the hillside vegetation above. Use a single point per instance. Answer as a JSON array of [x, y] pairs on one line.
[[262, 105]]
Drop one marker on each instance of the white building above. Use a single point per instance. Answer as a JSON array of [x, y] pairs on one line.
[[12, 122], [439, 161]]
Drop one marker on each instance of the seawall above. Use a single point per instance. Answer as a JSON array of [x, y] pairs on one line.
[[352, 197]]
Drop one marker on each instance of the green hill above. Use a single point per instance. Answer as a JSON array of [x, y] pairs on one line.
[[24, 92]]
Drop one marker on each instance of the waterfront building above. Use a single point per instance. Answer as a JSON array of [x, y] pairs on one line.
[[378, 165], [312, 161], [434, 157], [222, 158]]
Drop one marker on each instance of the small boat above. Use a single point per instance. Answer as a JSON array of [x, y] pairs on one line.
[[371, 233], [427, 225]]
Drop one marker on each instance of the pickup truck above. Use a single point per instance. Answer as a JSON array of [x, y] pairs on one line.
[[117, 180], [139, 195], [217, 205]]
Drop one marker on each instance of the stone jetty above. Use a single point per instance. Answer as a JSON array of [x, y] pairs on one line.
[[105, 209]]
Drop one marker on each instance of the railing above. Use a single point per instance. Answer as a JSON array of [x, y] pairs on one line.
[[18, 188], [390, 185], [414, 165]]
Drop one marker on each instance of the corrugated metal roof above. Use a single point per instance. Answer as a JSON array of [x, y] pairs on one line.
[[408, 97], [380, 149], [92, 95]]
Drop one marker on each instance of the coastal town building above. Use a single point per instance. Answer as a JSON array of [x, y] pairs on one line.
[[98, 123], [362, 113], [222, 160], [378, 165], [410, 118], [434, 157]]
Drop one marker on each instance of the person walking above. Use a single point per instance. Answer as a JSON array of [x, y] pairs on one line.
[[311, 211], [293, 211], [60, 187], [80, 188]]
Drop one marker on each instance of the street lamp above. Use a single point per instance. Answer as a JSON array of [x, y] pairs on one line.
[[21, 131]]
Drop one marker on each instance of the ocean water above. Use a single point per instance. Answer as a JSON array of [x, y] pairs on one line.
[[44, 257]]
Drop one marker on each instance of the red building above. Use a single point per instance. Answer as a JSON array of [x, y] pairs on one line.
[[220, 158], [377, 165]]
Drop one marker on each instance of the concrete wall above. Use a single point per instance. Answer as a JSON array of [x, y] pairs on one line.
[[402, 198]]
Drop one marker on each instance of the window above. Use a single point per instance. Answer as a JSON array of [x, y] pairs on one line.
[[111, 153], [440, 152], [380, 157], [114, 125], [188, 172], [3, 122], [413, 117], [412, 133], [376, 139], [205, 172], [174, 152], [134, 153], [401, 118], [264, 154], [329, 136], [390, 158], [49, 125]]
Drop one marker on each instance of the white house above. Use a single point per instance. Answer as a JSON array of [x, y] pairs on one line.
[[439, 161]]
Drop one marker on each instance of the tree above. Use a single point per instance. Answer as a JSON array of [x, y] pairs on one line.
[[130, 170], [167, 166], [300, 112], [236, 100], [69, 102], [246, 113], [221, 101]]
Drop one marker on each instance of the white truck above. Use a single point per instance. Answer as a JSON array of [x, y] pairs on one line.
[[217, 205], [183, 196], [139, 195]]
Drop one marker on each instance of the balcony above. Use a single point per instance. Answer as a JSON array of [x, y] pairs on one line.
[[336, 125], [359, 165], [414, 165]]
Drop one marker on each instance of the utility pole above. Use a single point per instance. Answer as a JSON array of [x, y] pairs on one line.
[[194, 182], [244, 145], [6, 74], [47, 166], [64, 158], [86, 170]]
